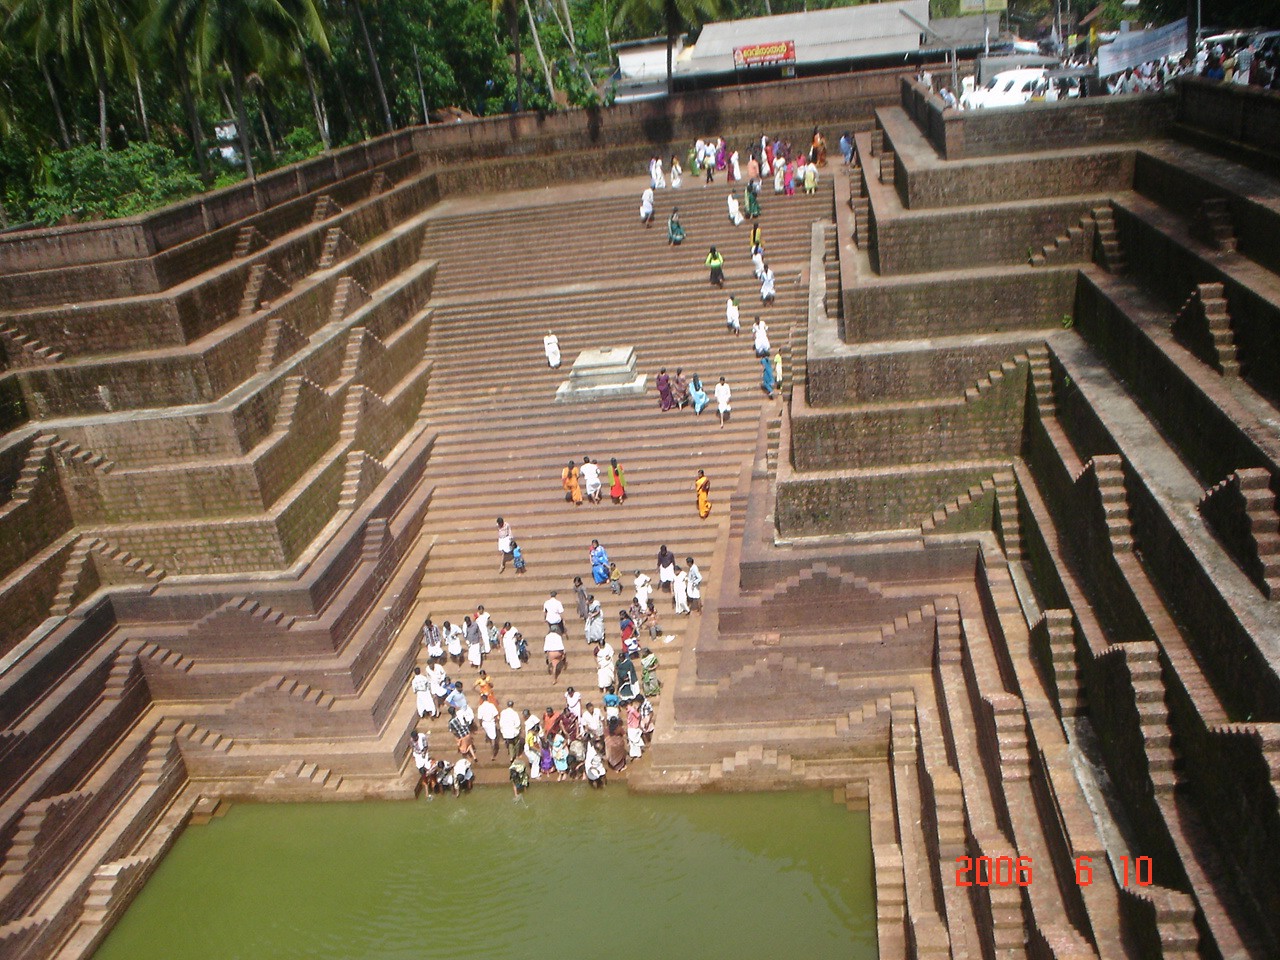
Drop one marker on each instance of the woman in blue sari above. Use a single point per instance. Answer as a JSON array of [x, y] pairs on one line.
[[766, 378], [697, 396], [599, 563]]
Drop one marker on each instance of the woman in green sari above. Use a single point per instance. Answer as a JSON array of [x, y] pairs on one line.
[[675, 232], [650, 685], [751, 201]]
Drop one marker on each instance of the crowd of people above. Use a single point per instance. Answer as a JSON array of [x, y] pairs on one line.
[[579, 739], [585, 739], [585, 483]]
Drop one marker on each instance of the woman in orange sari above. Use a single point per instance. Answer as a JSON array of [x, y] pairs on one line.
[[702, 486], [572, 488], [818, 152]]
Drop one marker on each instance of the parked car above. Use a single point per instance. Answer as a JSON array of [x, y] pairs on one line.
[[1008, 89]]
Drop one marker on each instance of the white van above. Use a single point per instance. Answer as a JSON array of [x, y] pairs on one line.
[[1010, 88]]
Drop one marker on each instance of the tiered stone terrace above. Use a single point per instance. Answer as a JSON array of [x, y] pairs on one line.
[[998, 566]]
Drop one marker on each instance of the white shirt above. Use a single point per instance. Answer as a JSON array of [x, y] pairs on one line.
[[419, 683], [722, 395], [462, 769], [509, 723], [552, 643], [731, 313], [487, 714], [590, 473], [553, 610]]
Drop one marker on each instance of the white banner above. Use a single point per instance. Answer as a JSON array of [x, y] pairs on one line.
[[1138, 46]]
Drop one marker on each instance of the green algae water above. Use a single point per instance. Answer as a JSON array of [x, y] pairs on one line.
[[565, 873]]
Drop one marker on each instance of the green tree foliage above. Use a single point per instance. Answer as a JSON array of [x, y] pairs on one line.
[[672, 14], [299, 76], [86, 183]]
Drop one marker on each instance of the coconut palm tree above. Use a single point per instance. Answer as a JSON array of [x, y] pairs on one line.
[[99, 31], [241, 35], [95, 32], [357, 8], [32, 25], [673, 13], [511, 16]]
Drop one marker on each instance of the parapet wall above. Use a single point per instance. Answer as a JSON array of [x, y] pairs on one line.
[[1048, 126], [152, 233], [1247, 115], [645, 125], [681, 118]]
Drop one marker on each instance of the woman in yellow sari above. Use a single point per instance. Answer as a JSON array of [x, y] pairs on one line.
[[572, 488], [703, 488]]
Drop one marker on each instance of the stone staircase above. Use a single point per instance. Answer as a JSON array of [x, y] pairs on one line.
[[1241, 510], [24, 349], [503, 441], [1203, 325], [1074, 246], [1212, 222], [1110, 252]]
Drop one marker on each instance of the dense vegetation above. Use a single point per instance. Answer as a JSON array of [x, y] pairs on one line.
[[108, 107]]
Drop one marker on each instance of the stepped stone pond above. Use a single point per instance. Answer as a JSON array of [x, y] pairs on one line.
[[565, 872]]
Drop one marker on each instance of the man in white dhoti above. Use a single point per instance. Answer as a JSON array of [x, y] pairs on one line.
[[680, 592], [656, 177], [731, 318], [757, 262], [552, 346], [694, 584], [458, 700], [573, 702], [437, 679], [666, 568], [505, 539], [475, 645], [510, 650], [589, 474], [594, 766], [760, 337], [606, 665], [509, 727], [421, 757], [483, 622], [646, 206], [433, 639], [735, 212], [532, 745], [453, 641], [424, 703], [593, 721], [644, 589], [767, 292], [723, 396], [553, 613], [735, 166], [487, 717]]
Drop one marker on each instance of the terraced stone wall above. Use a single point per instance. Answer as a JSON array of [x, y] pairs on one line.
[[1247, 115], [1066, 124]]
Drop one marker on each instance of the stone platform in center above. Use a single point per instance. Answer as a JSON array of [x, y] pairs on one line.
[[602, 372]]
